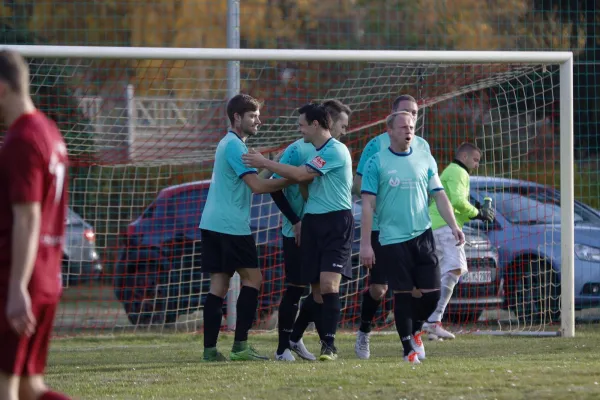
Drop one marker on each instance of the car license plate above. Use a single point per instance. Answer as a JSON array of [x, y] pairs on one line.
[[477, 277]]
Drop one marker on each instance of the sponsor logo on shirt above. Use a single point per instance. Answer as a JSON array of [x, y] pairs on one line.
[[318, 162]]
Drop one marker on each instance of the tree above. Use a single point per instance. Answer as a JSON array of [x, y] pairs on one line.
[[583, 18]]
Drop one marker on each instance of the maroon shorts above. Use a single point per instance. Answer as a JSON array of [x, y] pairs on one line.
[[26, 356]]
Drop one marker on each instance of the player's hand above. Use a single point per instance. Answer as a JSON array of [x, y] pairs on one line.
[[459, 236], [254, 159], [19, 313], [486, 214], [297, 232], [367, 256]]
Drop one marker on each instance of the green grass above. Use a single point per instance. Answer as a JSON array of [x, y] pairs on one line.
[[470, 367]]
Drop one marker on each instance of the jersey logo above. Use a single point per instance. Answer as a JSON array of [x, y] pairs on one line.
[[318, 162], [394, 181]]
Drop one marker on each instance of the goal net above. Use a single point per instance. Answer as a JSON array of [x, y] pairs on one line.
[[142, 135]]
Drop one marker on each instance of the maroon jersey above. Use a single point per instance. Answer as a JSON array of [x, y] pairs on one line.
[[33, 168]]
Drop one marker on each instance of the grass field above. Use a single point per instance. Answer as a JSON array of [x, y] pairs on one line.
[[470, 367]]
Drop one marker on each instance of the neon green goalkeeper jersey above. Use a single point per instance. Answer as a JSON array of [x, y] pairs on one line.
[[455, 179]]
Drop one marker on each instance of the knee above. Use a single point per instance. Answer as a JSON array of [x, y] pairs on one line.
[[31, 388], [251, 277], [330, 282], [219, 288], [316, 294], [377, 291], [450, 279], [9, 387], [329, 286]]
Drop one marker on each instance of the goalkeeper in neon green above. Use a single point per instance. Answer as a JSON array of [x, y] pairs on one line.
[[452, 258]]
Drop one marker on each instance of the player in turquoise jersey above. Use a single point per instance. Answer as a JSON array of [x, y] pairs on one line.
[[328, 224], [452, 258], [372, 297], [291, 203], [395, 179], [227, 242]]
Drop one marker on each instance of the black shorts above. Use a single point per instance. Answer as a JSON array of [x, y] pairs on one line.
[[377, 272], [292, 259], [223, 253], [326, 244], [411, 264]]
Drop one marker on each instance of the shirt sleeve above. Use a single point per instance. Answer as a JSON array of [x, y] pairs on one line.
[[370, 181], [327, 160], [369, 151], [458, 193], [289, 157], [234, 151], [26, 169], [435, 184]]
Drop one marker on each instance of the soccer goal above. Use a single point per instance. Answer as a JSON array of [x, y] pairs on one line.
[[143, 123]]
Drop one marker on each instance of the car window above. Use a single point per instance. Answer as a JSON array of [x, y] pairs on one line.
[[530, 207]]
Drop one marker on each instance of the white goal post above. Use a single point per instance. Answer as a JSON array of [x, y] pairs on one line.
[[564, 59]]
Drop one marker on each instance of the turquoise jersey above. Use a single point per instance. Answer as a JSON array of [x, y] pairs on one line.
[[402, 183], [227, 208], [332, 189], [296, 154], [379, 143]]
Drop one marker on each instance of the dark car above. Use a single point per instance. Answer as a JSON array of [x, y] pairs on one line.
[[158, 276]]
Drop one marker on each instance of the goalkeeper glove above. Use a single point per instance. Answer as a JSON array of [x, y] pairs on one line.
[[484, 214]]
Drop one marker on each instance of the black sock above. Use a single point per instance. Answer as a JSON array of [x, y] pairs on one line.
[[330, 317], [368, 310], [403, 316], [317, 317], [213, 314], [304, 318], [288, 308], [423, 307], [246, 306]]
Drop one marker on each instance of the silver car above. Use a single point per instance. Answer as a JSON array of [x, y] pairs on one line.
[[81, 262]]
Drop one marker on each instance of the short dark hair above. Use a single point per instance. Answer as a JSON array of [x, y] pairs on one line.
[[402, 97], [335, 107], [389, 121], [467, 147], [316, 112], [14, 71], [241, 104]]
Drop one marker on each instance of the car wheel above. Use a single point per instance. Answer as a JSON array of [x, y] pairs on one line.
[[532, 289]]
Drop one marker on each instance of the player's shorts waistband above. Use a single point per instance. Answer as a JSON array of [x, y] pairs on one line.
[[332, 213]]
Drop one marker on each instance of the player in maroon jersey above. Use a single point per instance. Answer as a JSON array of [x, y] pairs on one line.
[[33, 198]]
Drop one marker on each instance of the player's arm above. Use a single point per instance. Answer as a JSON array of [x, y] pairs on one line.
[[25, 191], [25, 238], [265, 173], [369, 190], [321, 164], [436, 190], [458, 194], [233, 153], [284, 206], [259, 185], [300, 174], [370, 149], [303, 190], [445, 207]]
